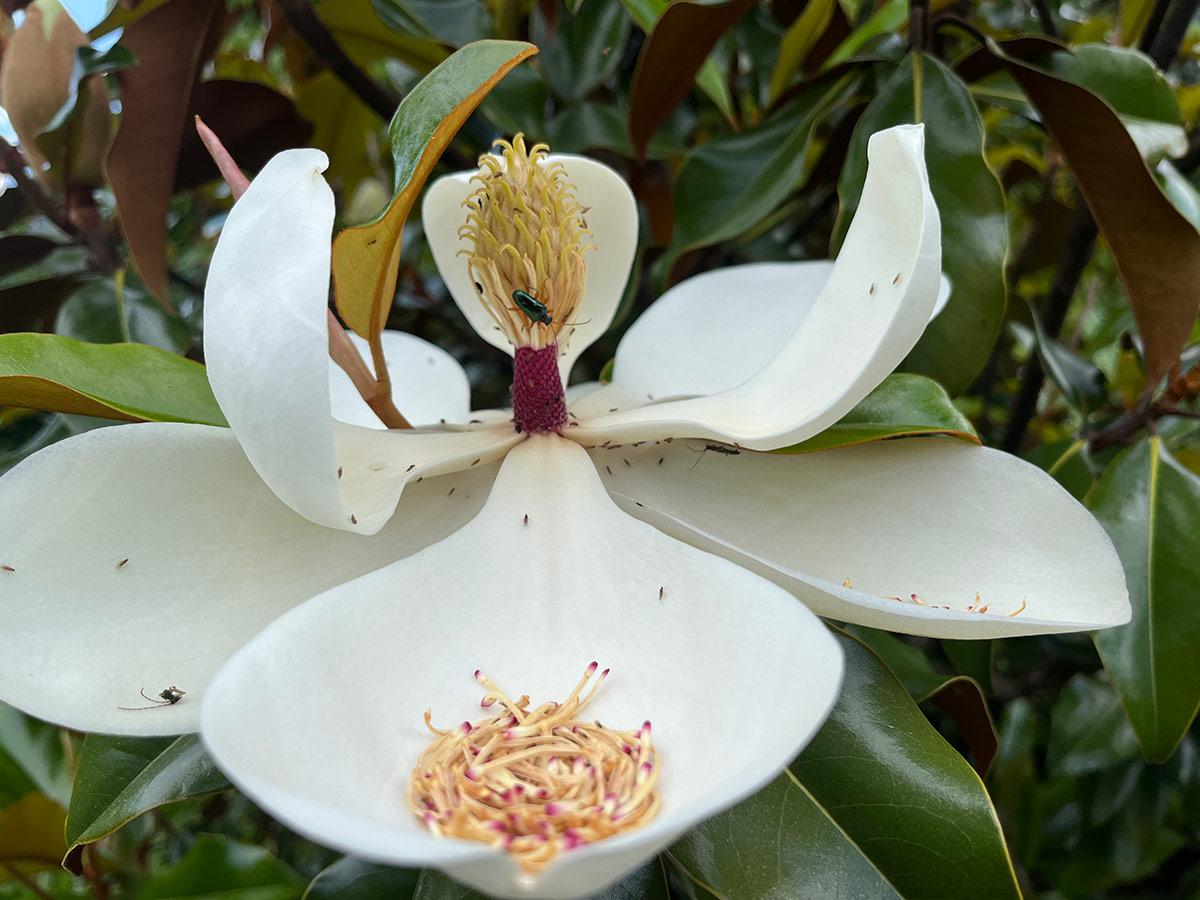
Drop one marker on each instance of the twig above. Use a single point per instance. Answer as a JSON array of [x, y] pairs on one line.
[[1153, 24], [92, 873], [1147, 412], [304, 22], [375, 391], [918, 25], [14, 163], [1165, 46], [1081, 240]]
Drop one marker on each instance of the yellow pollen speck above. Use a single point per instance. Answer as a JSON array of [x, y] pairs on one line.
[[527, 234]]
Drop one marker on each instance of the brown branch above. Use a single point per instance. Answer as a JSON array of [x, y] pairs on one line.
[[376, 392], [1147, 412], [300, 16]]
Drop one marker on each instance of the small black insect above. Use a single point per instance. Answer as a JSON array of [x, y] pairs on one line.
[[169, 697]]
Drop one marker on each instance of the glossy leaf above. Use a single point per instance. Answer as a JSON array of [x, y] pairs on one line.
[[731, 183], [154, 99], [798, 41], [585, 49], [1081, 382], [645, 13], [1129, 82], [1088, 729], [36, 758], [353, 879], [216, 867], [903, 405], [1150, 506], [675, 50], [366, 258], [869, 809], [359, 30], [970, 202], [130, 382], [647, 883], [1155, 248], [120, 778]]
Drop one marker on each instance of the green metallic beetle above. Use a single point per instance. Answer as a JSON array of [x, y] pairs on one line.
[[532, 307]]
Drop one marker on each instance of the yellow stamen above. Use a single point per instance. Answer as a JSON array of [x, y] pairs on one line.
[[527, 234], [536, 783]]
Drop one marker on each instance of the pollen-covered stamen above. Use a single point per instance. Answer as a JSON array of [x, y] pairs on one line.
[[536, 783], [527, 234]]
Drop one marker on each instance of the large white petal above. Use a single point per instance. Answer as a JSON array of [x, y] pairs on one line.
[[880, 294], [734, 673], [266, 342], [934, 517], [428, 384], [213, 556], [611, 217]]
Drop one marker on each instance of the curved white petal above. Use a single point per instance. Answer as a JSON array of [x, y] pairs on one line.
[[266, 337], [930, 516], [211, 557], [428, 384], [611, 216], [734, 673], [880, 294]]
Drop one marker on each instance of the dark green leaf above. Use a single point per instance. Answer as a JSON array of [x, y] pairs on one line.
[[367, 33], [971, 205], [731, 183], [647, 883], [586, 49], [116, 381], [38, 751], [353, 879], [868, 810], [1077, 379], [1150, 506], [121, 778], [20, 250], [92, 314], [216, 867], [903, 405], [1089, 731]]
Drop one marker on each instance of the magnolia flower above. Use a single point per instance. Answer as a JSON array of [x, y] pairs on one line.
[[639, 525]]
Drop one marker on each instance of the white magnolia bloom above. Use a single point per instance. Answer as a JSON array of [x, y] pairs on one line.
[[432, 552]]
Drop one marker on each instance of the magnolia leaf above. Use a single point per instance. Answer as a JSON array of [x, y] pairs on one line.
[[1150, 506], [645, 13], [731, 183], [676, 48], [358, 29], [647, 883], [343, 127], [33, 756], [217, 867], [970, 203], [867, 810], [1088, 730], [121, 778], [798, 41], [585, 49], [1155, 248], [131, 382], [353, 879], [20, 250], [902, 405], [154, 100], [366, 257]]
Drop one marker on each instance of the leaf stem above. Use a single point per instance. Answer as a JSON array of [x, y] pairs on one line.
[[376, 390]]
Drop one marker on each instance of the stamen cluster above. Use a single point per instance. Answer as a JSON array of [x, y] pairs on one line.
[[527, 232], [536, 783]]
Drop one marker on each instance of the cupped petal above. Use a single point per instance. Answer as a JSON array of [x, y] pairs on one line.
[[428, 384], [142, 556], [880, 294], [611, 217], [734, 673], [849, 531]]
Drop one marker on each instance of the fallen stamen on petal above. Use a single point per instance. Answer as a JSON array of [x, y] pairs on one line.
[[536, 783], [977, 607]]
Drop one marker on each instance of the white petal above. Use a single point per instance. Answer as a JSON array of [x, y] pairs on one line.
[[266, 338], [734, 673], [428, 384], [930, 516], [877, 301], [213, 556], [611, 216]]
